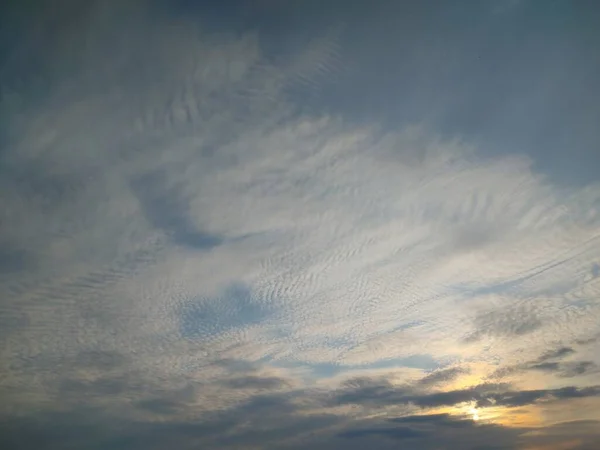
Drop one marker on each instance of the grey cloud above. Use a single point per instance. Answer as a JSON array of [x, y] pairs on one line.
[[365, 382], [105, 361], [278, 420], [369, 391], [78, 389], [101, 359], [521, 398], [160, 405], [582, 434], [166, 207], [256, 382], [168, 401], [595, 272], [484, 395], [442, 376], [432, 420], [474, 237], [545, 367], [86, 389], [13, 260], [441, 431], [496, 77], [202, 318], [588, 341], [423, 428], [394, 433], [387, 394], [48, 190], [505, 322], [96, 430], [558, 353], [236, 366], [565, 370], [578, 368], [112, 382], [550, 362]]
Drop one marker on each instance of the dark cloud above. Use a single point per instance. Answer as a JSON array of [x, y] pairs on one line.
[[432, 430], [565, 370], [545, 367], [558, 353], [432, 420], [160, 405], [447, 432], [550, 362], [578, 368], [521, 398], [442, 376], [394, 433], [484, 395], [170, 401], [388, 394], [278, 420], [363, 390], [97, 430], [256, 382]]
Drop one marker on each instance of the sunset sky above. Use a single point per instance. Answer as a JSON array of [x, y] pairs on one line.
[[261, 224]]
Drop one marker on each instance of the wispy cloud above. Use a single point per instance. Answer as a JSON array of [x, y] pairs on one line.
[[190, 253]]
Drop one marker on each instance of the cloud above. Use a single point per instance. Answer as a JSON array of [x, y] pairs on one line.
[[254, 382], [12, 260], [554, 354], [191, 251], [273, 421], [237, 307], [433, 429], [385, 393], [431, 419], [441, 430], [443, 376], [317, 243], [572, 369], [548, 363], [394, 433], [548, 366], [166, 209], [273, 410]]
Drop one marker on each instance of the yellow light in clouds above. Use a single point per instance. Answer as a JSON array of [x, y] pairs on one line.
[[474, 414]]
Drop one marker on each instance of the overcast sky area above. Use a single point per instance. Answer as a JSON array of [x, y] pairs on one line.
[[300, 224]]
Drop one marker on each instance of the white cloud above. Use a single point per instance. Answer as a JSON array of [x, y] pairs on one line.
[[359, 245]]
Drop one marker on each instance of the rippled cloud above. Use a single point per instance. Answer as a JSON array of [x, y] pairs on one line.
[[203, 242]]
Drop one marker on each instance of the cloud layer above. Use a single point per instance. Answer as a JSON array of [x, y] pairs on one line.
[[194, 250]]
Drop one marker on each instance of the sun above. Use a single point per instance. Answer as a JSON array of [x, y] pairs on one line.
[[474, 414]]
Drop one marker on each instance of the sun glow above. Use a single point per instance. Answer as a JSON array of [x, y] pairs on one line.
[[474, 414]]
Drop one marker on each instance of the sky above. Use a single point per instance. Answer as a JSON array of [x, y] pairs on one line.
[[261, 224]]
